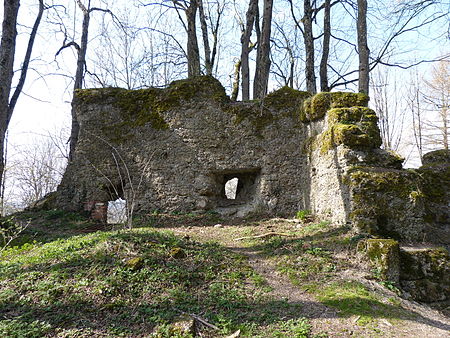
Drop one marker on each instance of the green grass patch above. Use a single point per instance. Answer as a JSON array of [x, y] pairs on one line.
[[352, 298], [138, 281]]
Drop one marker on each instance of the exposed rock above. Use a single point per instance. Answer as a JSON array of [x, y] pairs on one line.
[[135, 263], [384, 255], [177, 253], [425, 273]]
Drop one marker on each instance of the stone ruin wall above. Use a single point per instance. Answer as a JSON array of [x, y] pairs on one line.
[[176, 148]]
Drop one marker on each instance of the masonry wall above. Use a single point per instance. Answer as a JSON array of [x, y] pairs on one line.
[[182, 163], [174, 149]]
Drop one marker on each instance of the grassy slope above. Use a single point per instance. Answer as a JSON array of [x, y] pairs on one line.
[[70, 278], [112, 283]]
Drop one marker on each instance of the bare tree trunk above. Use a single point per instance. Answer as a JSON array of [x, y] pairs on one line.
[[237, 72], [309, 47], [7, 53], [193, 53], [79, 76], [363, 49], [323, 72], [245, 51], [263, 60], [207, 49]]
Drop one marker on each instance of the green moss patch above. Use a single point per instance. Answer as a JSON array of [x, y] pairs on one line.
[[384, 254], [354, 127], [317, 106], [286, 98], [354, 299]]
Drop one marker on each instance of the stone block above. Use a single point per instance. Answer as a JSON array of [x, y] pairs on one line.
[[384, 255]]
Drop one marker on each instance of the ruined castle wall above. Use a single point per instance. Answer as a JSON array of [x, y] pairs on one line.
[[183, 163], [174, 149]]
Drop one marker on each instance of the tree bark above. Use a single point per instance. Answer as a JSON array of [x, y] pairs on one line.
[[245, 50], [263, 59], [309, 47], [7, 52], [79, 76], [207, 49], [193, 53], [235, 90], [363, 49], [323, 72]]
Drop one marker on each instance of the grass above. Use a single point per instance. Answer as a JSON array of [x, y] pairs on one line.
[[118, 283], [314, 258], [68, 277], [352, 298]]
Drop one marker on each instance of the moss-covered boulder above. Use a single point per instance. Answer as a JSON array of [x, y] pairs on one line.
[[387, 202], [384, 255], [317, 106], [286, 98], [354, 127], [437, 157], [425, 273]]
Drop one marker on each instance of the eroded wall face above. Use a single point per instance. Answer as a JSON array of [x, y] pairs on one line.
[[175, 149], [183, 163]]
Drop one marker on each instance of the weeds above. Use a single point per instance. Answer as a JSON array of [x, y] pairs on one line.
[[10, 230]]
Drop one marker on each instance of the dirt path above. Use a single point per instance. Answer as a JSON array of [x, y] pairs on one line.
[[421, 320]]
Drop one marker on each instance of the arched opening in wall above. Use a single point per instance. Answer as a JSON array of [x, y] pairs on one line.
[[231, 188], [117, 211], [236, 187]]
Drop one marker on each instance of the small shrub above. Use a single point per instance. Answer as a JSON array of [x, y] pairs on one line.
[[10, 229], [303, 214]]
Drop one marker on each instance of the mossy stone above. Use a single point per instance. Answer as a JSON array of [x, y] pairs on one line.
[[317, 106], [135, 263], [383, 158], [177, 253], [437, 157], [435, 183], [430, 263], [354, 127], [425, 273], [286, 98], [145, 106], [380, 196], [384, 255]]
